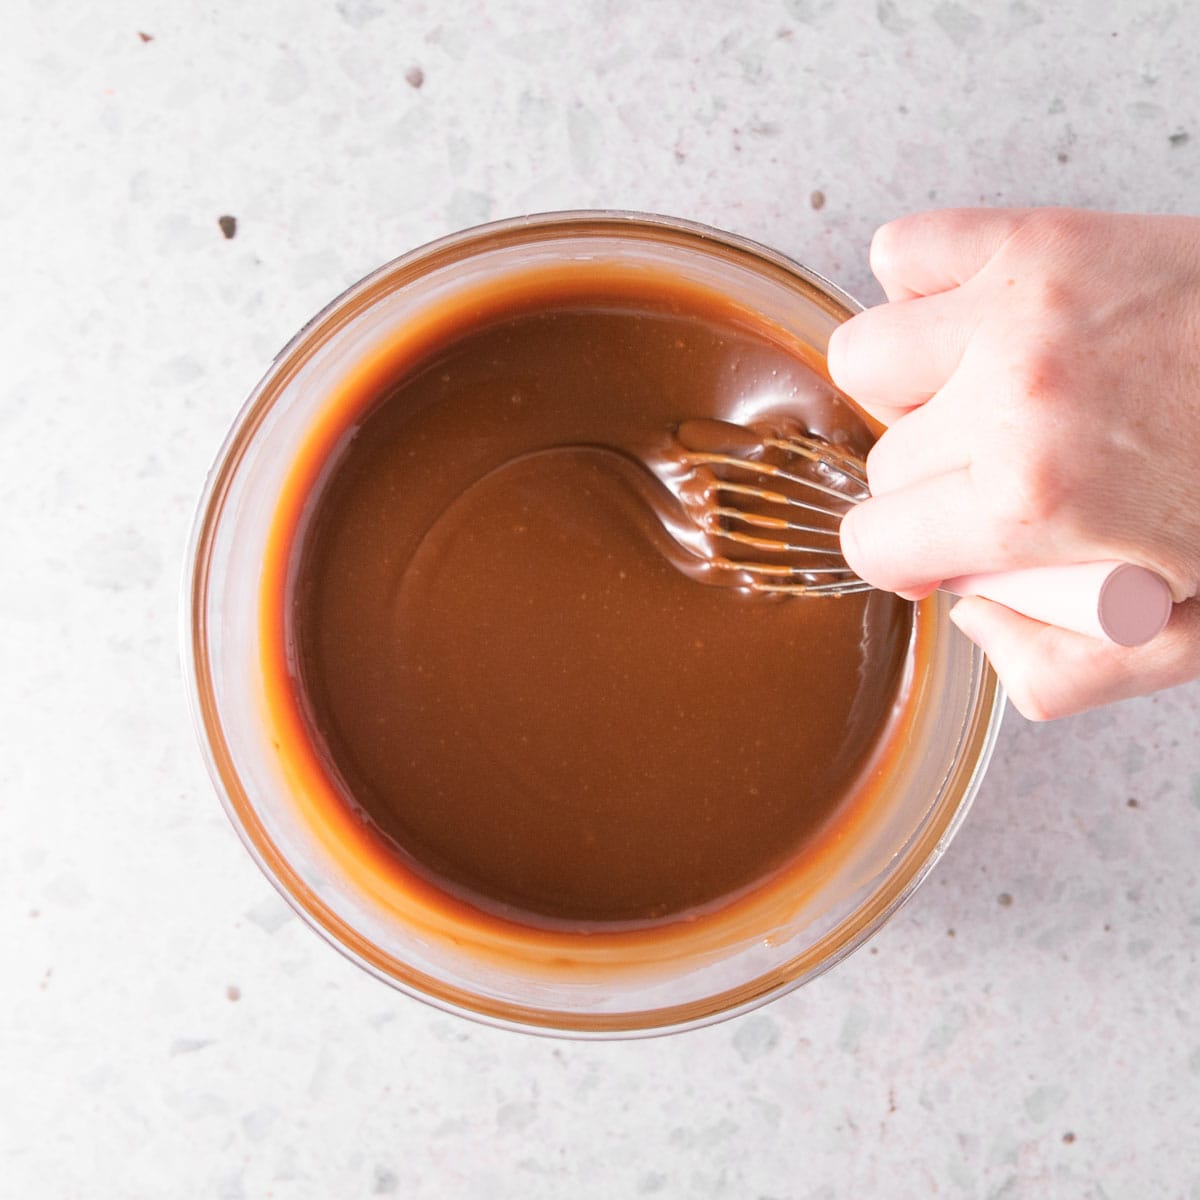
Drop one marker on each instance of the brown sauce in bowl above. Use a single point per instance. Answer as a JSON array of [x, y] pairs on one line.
[[480, 636]]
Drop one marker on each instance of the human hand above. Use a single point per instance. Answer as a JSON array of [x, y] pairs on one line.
[[1039, 371]]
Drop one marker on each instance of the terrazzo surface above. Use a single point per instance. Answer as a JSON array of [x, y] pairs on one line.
[[1027, 1026]]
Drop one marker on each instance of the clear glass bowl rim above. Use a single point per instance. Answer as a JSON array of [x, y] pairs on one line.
[[981, 735]]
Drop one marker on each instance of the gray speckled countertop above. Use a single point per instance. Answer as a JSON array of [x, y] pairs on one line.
[[1026, 1027]]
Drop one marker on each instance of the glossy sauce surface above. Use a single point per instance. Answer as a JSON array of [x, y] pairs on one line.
[[504, 669]]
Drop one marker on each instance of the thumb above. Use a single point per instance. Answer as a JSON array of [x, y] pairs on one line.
[[1050, 672]]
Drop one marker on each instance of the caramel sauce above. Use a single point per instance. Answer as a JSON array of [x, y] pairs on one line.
[[500, 700]]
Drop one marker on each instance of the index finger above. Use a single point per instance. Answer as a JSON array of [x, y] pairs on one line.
[[930, 252], [938, 528]]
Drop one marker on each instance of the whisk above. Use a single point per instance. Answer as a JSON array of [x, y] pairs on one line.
[[772, 503]]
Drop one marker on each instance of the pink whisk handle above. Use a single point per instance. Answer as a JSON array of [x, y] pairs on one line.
[[1117, 601]]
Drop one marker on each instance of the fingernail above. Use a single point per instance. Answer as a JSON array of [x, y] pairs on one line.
[[963, 617], [849, 542], [917, 593], [834, 354]]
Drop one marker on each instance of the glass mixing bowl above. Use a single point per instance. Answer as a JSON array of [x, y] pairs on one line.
[[795, 931]]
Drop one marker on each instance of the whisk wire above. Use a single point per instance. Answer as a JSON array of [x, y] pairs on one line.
[[764, 521], [820, 452], [770, 469], [735, 500]]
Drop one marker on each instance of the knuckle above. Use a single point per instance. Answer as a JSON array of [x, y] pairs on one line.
[[1044, 252], [1047, 228], [1054, 300], [1028, 491], [1038, 378]]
